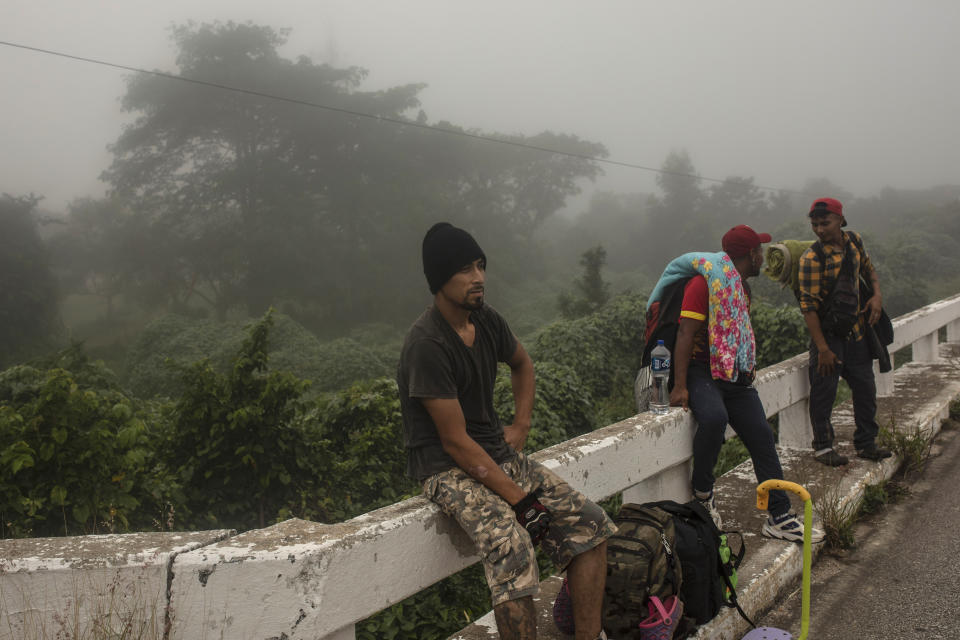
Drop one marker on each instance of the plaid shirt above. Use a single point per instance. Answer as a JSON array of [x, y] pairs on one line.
[[813, 276]]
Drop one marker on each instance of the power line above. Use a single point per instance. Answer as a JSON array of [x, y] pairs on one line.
[[359, 114]]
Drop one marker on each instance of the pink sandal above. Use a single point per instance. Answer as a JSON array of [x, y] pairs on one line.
[[663, 619]]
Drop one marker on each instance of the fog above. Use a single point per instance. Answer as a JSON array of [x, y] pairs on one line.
[[863, 93]]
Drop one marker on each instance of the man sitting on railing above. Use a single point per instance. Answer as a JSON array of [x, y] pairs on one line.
[[714, 365], [471, 465], [829, 278]]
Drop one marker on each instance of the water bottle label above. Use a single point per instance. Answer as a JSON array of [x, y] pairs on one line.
[[660, 364]]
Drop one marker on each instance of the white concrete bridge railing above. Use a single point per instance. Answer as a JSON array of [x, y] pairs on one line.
[[300, 579]]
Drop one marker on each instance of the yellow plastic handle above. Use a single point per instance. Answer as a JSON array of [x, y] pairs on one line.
[[767, 486]]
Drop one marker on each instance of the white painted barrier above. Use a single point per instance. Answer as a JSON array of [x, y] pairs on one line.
[[300, 579], [68, 587]]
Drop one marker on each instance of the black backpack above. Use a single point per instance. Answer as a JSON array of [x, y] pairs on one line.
[[709, 576], [841, 299], [662, 321], [641, 562]]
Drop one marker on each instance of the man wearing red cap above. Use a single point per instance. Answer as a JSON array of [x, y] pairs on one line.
[[829, 276], [715, 402]]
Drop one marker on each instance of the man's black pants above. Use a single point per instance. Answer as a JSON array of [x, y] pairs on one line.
[[716, 403], [857, 370]]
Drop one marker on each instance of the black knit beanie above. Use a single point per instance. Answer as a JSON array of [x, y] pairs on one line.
[[446, 249]]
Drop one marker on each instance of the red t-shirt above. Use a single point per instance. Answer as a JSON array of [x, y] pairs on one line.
[[695, 305]]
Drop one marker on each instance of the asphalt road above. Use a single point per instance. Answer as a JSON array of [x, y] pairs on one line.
[[903, 578]]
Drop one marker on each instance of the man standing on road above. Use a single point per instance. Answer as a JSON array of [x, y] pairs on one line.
[[471, 465], [829, 279], [714, 369]]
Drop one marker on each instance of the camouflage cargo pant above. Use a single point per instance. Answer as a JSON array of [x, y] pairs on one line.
[[504, 546]]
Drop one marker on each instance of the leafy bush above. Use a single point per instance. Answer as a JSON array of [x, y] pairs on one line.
[[780, 331], [339, 363], [561, 409], [434, 613], [28, 296], [602, 348], [233, 442], [362, 458], [76, 453], [169, 341], [156, 359]]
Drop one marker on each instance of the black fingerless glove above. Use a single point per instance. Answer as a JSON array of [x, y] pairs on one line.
[[533, 516]]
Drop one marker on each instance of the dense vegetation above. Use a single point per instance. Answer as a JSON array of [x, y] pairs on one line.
[[147, 383]]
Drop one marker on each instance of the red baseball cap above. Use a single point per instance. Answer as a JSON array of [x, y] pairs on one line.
[[828, 205], [741, 239]]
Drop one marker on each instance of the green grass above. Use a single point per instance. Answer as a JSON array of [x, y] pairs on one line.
[[912, 448], [876, 497], [837, 518]]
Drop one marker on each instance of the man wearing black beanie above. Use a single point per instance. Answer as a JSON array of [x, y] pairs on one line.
[[472, 465], [446, 248]]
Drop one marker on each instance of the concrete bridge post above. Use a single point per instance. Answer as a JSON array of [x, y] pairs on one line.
[[925, 348], [884, 380], [672, 484], [953, 331], [795, 429]]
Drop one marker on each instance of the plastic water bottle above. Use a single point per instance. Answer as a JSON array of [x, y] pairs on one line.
[[660, 369]]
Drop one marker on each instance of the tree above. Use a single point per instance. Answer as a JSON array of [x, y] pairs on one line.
[[104, 250], [157, 357], [618, 221], [679, 182], [241, 183], [28, 295], [675, 222], [265, 201], [76, 453], [234, 441], [593, 291], [731, 202]]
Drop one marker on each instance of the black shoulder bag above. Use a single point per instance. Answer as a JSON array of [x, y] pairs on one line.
[[841, 304]]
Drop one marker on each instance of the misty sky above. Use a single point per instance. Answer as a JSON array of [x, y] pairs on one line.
[[866, 93]]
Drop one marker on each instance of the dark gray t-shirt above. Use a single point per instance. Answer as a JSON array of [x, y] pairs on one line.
[[435, 363]]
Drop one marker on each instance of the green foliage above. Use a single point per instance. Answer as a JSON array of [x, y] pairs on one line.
[[340, 362], [877, 496], [28, 303], [232, 440], [562, 408], [102, 250], [780, 332], [239, 448], [434, 613], [76, 453], [254, 201], [361, 463], [617, 221], [913, 448], [592, 291], [604, 347], [732, 453], [156, 358], [838, 517]]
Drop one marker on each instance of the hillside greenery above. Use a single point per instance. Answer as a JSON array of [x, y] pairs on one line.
[[214, 343]]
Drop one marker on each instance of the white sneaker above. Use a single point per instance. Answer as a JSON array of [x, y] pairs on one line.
[[790, 528], [710, 504]]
